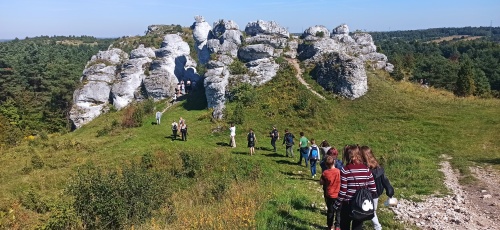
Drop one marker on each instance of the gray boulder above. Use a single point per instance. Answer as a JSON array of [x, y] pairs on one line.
[[261, 71], [274, 41], [225, 38], [315, 32], [342, 74], [254, 52], [161, 83], [265, 27], [341, 29], [142, 52], [201, 30]]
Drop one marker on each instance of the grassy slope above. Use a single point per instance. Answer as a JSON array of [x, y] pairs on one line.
[[408, 127]]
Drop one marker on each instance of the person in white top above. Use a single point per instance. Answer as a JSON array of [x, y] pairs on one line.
[[232, 142], [158, 117]]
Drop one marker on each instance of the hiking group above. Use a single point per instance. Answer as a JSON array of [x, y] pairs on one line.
[[351, 185], [182, 126]]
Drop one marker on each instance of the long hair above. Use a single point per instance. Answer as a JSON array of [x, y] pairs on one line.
[[325, 144], [352, 155], [369, 158]]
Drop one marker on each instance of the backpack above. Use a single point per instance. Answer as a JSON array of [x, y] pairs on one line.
[[314, 153], [250, 137], [361, 205], [174, 127], [289, 139], [274, 134]]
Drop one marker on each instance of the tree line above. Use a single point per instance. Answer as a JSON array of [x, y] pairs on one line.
[[38, 77], [465, 67]]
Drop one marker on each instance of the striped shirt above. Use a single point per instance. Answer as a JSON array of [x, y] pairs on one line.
[[352, 178]]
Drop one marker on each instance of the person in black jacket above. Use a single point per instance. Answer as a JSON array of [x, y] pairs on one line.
[[381, 181]]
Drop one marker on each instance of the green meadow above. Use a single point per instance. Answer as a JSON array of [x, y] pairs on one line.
[[90, 178]]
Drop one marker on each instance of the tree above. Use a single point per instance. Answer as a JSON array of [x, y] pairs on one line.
[[483, 88], [465, 79]]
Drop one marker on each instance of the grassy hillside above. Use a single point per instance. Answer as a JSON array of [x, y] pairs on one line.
[[206, 184]]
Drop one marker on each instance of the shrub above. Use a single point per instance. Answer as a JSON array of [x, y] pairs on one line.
[[238, 67], [34, 202], [238, 114], [116, 199], [191, 165], [243, 93], [148, 106], [37, 162], [62, 217], [132, 116], [320, 34]]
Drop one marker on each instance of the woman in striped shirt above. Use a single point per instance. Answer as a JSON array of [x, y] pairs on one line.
[[353, 176]]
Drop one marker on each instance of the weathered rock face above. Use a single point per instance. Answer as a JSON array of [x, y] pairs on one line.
[[265, 27], [254, 52], [201, 29], [342, 29], [93, 98], [111, 78], [343, 74], [128, 82], [315, 32]]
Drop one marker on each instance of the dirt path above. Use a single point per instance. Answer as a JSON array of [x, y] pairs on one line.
[[299, 77], [469, 207]]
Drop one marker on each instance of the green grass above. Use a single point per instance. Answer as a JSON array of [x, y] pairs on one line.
[[408, 128]]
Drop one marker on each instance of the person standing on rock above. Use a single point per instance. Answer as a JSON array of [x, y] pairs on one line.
[[232, 141], [274, 134], [175, 127], [304, 150], [251, 141], [158, 117], [381, 181], [354, 176], [288, 142]]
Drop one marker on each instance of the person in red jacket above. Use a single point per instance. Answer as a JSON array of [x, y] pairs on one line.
[[330, 179], [355, 175]]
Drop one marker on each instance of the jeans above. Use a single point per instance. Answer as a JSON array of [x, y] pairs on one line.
[[174, 132], [332, 214], [313, 167], [345, 219], [184, 134], [303, 154], [375, 222], [289, 149], [273, 143]]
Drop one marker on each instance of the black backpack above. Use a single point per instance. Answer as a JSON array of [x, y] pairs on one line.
[[289, 139], [361, 204], [251, 137]]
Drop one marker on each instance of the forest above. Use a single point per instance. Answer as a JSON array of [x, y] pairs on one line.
[[464, 65], [37, 77]]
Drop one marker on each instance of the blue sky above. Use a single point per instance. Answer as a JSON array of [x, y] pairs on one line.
[[116, 18]]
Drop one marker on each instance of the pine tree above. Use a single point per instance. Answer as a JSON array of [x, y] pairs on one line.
[[465, 80]]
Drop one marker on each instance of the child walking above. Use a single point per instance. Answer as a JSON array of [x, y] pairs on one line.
[[330, 179], [313, 157]]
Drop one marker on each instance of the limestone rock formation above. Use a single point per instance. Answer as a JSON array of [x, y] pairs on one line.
[[341, 29], [342, 74], [265, 27], [254, 52], [201, 29], [315, 32], [93, 98]]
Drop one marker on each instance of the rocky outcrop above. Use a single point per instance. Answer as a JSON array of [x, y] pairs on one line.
[[93, 97], [255, 52], [342, 74], [201, 29], [110, 77], [265, 27], [315, 32]]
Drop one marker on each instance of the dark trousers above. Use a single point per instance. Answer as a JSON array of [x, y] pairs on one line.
[[174, 132], [184, 134], [273, 143], [332, 215], [313, 166], [345, 223], [303, 154]]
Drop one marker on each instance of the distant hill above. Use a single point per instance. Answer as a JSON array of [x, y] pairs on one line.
[[434, 33], [5, 40]]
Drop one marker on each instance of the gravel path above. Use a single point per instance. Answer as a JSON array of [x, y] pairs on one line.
[[299, 77], [471, 207]]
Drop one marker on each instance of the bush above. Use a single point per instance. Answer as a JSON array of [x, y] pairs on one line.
[[132, 116], [320, 34], [238, 67], [242, 93], [238, 114], [34, 202], [37, 162], [116, 199]]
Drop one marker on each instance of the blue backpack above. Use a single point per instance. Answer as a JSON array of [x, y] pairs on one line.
[[314, 153], [289, 139]]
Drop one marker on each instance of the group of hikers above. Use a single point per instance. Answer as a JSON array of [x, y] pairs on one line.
[[351, 185]]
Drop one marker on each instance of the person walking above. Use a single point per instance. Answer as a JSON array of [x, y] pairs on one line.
[[381, 181], [274, 134], [232, 141], [184, 131], [353, 177], [313, 157], [251, 141], [175, 127], [288, 142], [330, 179], [304, 150], [158, 117]]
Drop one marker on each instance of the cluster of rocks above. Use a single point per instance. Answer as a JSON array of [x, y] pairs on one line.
[[221, 45], [458, 210], [340, 59], [115, 78]]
